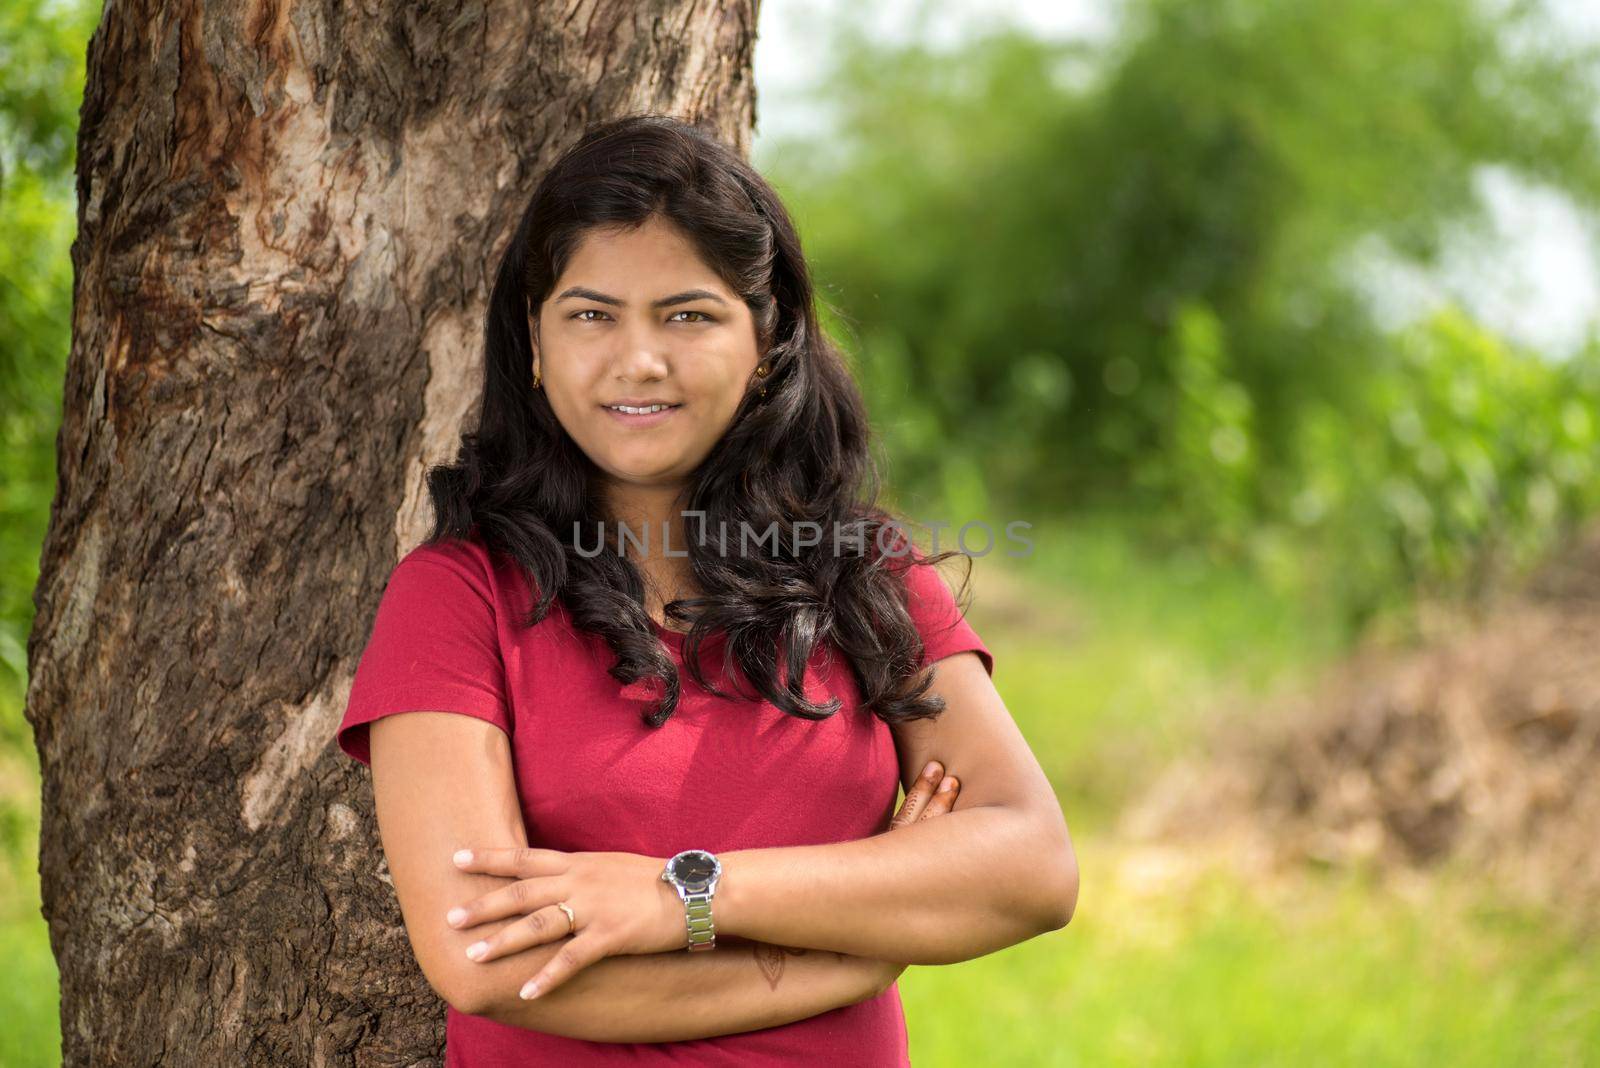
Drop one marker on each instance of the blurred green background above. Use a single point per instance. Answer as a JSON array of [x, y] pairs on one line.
[[1183, 293]]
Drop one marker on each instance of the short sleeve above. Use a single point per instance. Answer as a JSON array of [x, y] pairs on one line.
[[433, 647], [938, 618]]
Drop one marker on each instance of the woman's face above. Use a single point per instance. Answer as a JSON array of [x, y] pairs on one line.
[[637, 318]]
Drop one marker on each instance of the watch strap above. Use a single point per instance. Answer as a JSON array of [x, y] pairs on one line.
[[697, 914]]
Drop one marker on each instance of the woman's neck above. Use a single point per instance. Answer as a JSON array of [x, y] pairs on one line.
[[654, 523]]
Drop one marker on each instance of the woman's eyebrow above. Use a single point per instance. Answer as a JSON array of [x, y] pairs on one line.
[[585, 293]]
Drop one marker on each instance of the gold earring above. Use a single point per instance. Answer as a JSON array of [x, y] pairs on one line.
[[761, 372], [535, 378]]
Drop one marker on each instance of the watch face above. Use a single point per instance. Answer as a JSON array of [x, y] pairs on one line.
[[693, 867]]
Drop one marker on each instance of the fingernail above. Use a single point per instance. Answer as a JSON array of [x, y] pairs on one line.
[[932, 770], [463, 856], [531, 990], [477, 949], [455, 916], [948, 784]]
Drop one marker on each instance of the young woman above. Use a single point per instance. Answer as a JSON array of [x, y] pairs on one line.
[[667, 664]]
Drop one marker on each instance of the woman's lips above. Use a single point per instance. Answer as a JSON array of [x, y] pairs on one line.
[[632, 419]]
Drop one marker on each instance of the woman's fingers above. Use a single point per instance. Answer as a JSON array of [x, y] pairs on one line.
[[535, 929], [517, 861], [570, 959], [918, 796], [514, 899], [943, 799], [522, 863]]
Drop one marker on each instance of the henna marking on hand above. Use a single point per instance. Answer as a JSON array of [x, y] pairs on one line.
[[770, 960]]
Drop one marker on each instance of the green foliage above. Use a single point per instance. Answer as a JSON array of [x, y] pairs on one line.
[[42, 60], [1206, 465], [42, 55], [1129, 277], [1467, 461]]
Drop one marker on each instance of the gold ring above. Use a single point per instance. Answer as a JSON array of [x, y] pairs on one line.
[[572, 924]]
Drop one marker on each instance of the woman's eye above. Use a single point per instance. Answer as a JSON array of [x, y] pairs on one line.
[[582, 316]]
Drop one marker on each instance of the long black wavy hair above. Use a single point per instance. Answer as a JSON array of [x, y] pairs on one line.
[[800, 454]]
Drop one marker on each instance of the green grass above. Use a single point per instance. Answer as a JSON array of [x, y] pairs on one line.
[[1326, 969], [1339, 973], [1121, 659], [28, 994], [1251, 626], [29, 983]]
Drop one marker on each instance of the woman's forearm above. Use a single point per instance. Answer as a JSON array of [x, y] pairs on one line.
[[670, 997], [938, 891]]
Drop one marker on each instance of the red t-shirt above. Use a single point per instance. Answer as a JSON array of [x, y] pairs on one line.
[[718, 774]]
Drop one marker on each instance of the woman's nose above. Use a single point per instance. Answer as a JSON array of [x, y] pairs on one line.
[[643, 356]]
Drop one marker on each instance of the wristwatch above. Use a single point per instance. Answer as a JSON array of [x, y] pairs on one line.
[[694, 874]]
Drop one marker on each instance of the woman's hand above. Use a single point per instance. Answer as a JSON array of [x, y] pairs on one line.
[[933, 794], [923, 799], [619, 902]]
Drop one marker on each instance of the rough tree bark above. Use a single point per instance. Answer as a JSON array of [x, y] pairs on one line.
[[288, 216]]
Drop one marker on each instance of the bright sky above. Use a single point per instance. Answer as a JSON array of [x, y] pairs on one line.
[[1536, 281]]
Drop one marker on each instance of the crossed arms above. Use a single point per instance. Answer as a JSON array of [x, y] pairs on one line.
[[996, 871]]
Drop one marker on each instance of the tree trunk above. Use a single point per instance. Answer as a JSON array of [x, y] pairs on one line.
[[288, 220]]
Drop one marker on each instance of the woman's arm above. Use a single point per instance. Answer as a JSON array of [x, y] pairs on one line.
[[738, 986], [997, 872], [440, 778], [670, 997]]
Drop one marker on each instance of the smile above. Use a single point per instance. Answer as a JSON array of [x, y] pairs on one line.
[[641, 415]]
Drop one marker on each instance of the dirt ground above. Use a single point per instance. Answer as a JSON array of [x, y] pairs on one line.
[[1480, 751]]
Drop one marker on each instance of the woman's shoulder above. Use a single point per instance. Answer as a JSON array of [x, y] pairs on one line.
[[931, 599], [495, 574], [468, 560], [466, 553]]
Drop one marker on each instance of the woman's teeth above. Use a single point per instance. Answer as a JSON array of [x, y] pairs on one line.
[[640, 411]]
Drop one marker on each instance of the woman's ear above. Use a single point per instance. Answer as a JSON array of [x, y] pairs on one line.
[[533, 341]]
